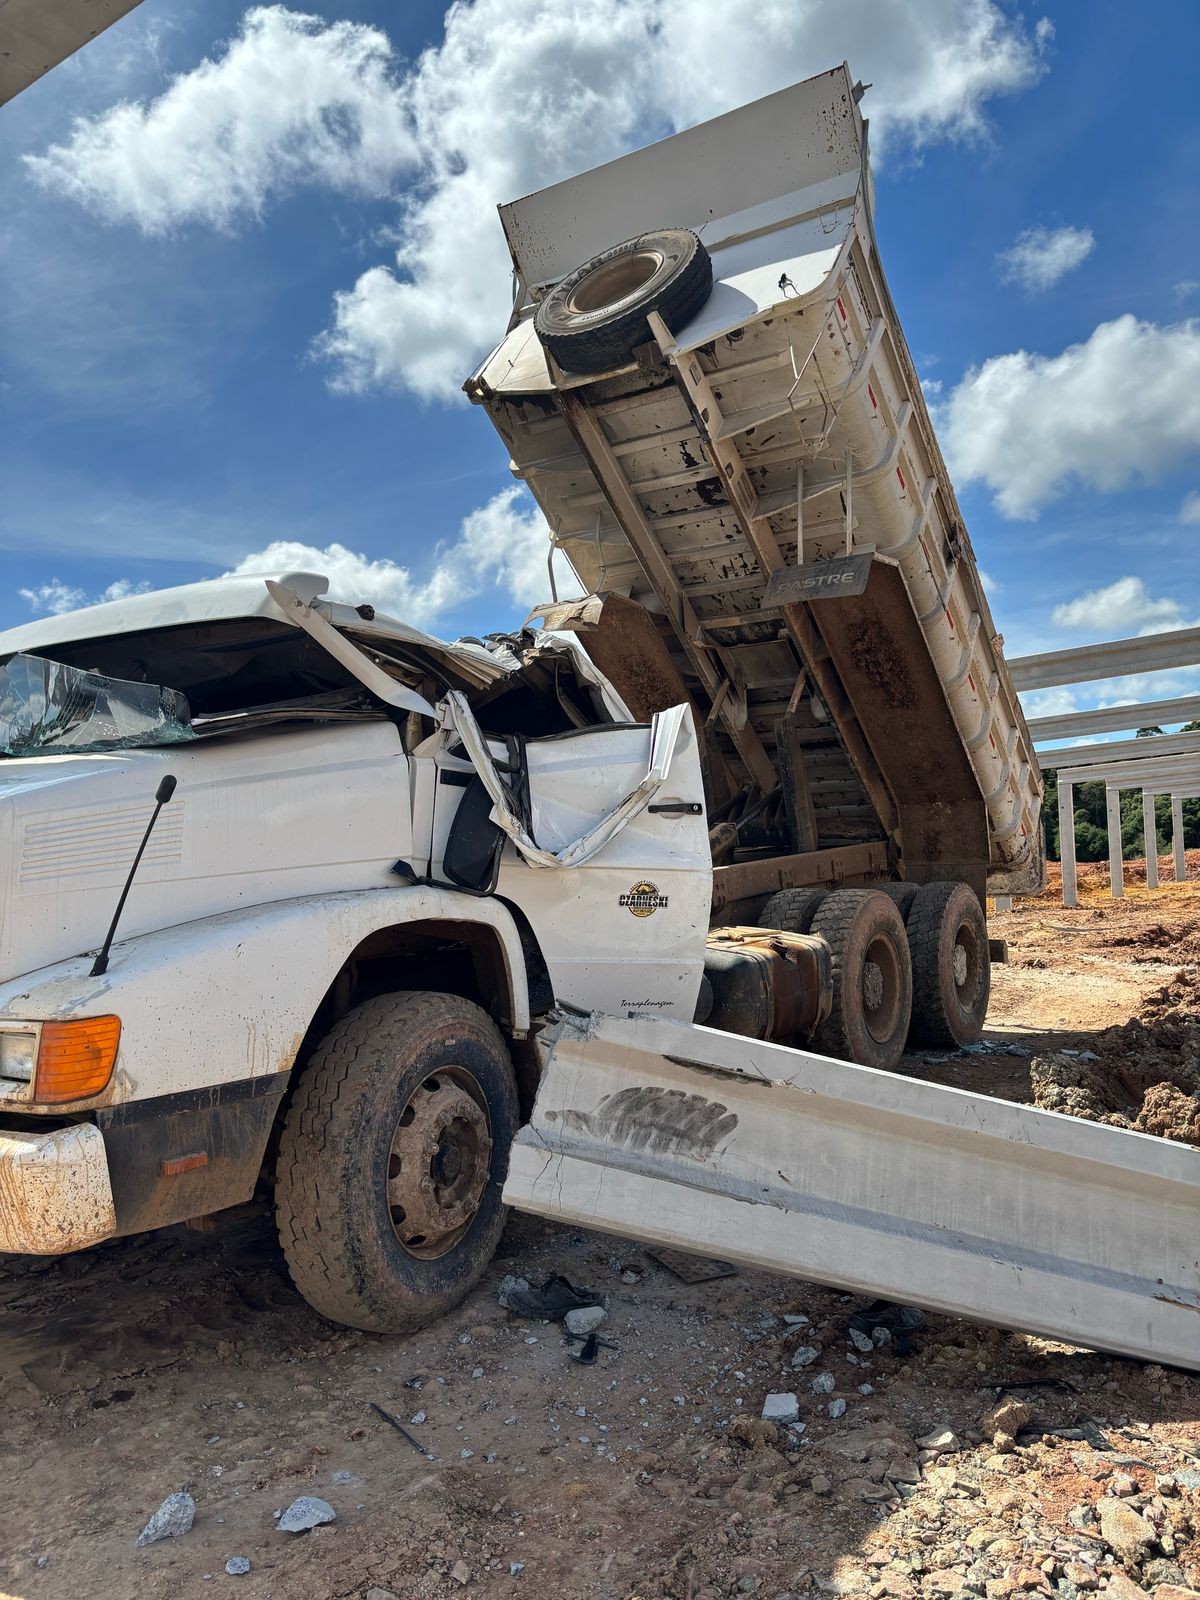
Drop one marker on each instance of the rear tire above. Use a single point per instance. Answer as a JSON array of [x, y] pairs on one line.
[[951, 962], [792, 910], [872, 978], [392, 1159], [596, 317], [901, 895]]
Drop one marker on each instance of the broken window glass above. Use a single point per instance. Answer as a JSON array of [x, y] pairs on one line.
[[48, 708]]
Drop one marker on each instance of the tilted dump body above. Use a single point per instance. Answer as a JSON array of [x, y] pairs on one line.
[[765, 482]]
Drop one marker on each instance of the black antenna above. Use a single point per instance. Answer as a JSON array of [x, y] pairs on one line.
[[162, 794]]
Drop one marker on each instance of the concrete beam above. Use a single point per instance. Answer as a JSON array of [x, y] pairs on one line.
[[1118, 750], [1116, 860], [1168, 773], [36, 35], [1066, 843], [1150, 837], [1177, 849], [1154, 653], [1115, 719]]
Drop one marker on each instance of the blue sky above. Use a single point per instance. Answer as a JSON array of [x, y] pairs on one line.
[[247, 258]]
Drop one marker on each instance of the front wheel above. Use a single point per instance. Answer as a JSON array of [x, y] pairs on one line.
[[392, 1159]]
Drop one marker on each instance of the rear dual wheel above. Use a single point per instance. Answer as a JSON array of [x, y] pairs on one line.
[[945, 933]]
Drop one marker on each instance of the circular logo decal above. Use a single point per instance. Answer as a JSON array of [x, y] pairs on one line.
[[643, 900]]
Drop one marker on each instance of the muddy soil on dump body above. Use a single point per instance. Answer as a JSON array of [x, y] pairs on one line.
[[187, 1359]]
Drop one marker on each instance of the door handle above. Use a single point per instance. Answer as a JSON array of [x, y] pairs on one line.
[[679, 808]]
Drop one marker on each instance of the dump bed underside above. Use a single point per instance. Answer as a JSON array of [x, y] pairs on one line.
[[783, 426]]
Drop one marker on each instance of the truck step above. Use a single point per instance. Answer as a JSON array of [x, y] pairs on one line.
[[683, 1136]]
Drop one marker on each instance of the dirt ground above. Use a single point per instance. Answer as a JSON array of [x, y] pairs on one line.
[[187, 1359]]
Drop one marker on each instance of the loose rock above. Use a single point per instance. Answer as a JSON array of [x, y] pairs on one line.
[[173, 1518], [780, 1408], [237, 1566], [1126, 1533], [305, 1513], [584, 1319]]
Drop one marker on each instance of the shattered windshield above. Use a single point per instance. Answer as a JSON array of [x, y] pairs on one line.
[[47, 708]]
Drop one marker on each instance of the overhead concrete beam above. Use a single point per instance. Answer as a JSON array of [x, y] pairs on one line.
[[36, 35], [1165, 775], [1154, 653], [1115, 719], [1118, 750]]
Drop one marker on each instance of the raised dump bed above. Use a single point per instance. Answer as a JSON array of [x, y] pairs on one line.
[[755, 467]]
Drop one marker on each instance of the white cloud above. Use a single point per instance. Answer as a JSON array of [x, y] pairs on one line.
[[56, 597], [1187, 287], [1041, 256], [1120, 609], [502, 545], [521, 93], [992, 586], [1123, 406], [291, 102], [1189, 511], [517, 94]]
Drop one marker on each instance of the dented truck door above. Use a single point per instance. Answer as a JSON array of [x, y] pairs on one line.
[[624, 929]]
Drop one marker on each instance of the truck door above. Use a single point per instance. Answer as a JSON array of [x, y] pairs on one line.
[[625, 930], [600, 838]]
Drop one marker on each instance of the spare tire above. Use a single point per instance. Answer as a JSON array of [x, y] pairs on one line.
[[595, 317]]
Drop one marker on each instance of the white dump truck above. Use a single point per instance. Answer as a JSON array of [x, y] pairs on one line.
[[297, 895]]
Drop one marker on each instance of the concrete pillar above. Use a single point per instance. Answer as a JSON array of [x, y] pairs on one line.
[[1116, 862], [1150, 833], [1066, 842], [1003, 902], [1177, 838]]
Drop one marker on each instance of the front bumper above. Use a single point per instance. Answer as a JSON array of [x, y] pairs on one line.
[[55, 1194]]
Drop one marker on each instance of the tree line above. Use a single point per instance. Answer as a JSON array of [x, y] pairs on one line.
[[1091, 815]]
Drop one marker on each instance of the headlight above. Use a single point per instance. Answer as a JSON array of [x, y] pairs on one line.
[[18, 1055]]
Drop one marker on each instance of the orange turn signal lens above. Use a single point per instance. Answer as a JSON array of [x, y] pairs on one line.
[[75, 1059]]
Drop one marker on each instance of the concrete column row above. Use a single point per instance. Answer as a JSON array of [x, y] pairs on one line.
[[1116, 861]]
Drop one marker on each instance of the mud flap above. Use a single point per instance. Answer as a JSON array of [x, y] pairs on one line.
[[683, 1136]]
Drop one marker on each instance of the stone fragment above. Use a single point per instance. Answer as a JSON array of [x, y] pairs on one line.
[[237, 1566], [173, 1518], [1005, 1420], [460, 1572], [823, 1383], [805, 1355], [780, 1408], [304, 1513], [1122, 1588], [584, 1319], [820, 1484], [1127, 1534], [941, 1440], [1175, 1591], [837, 1408]]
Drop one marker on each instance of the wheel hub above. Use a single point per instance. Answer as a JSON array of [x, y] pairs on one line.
[[438, 1166], [961, 966], [872, 986], [615, 281]]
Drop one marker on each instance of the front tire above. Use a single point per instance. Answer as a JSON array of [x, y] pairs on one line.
[[392, 1159]]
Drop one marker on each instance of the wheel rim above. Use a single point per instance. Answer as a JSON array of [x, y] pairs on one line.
[[882, 989], [966, 966], [615, 281], [439, 1163]]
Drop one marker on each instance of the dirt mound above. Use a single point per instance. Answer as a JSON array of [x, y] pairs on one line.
[[1144, 1074]]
